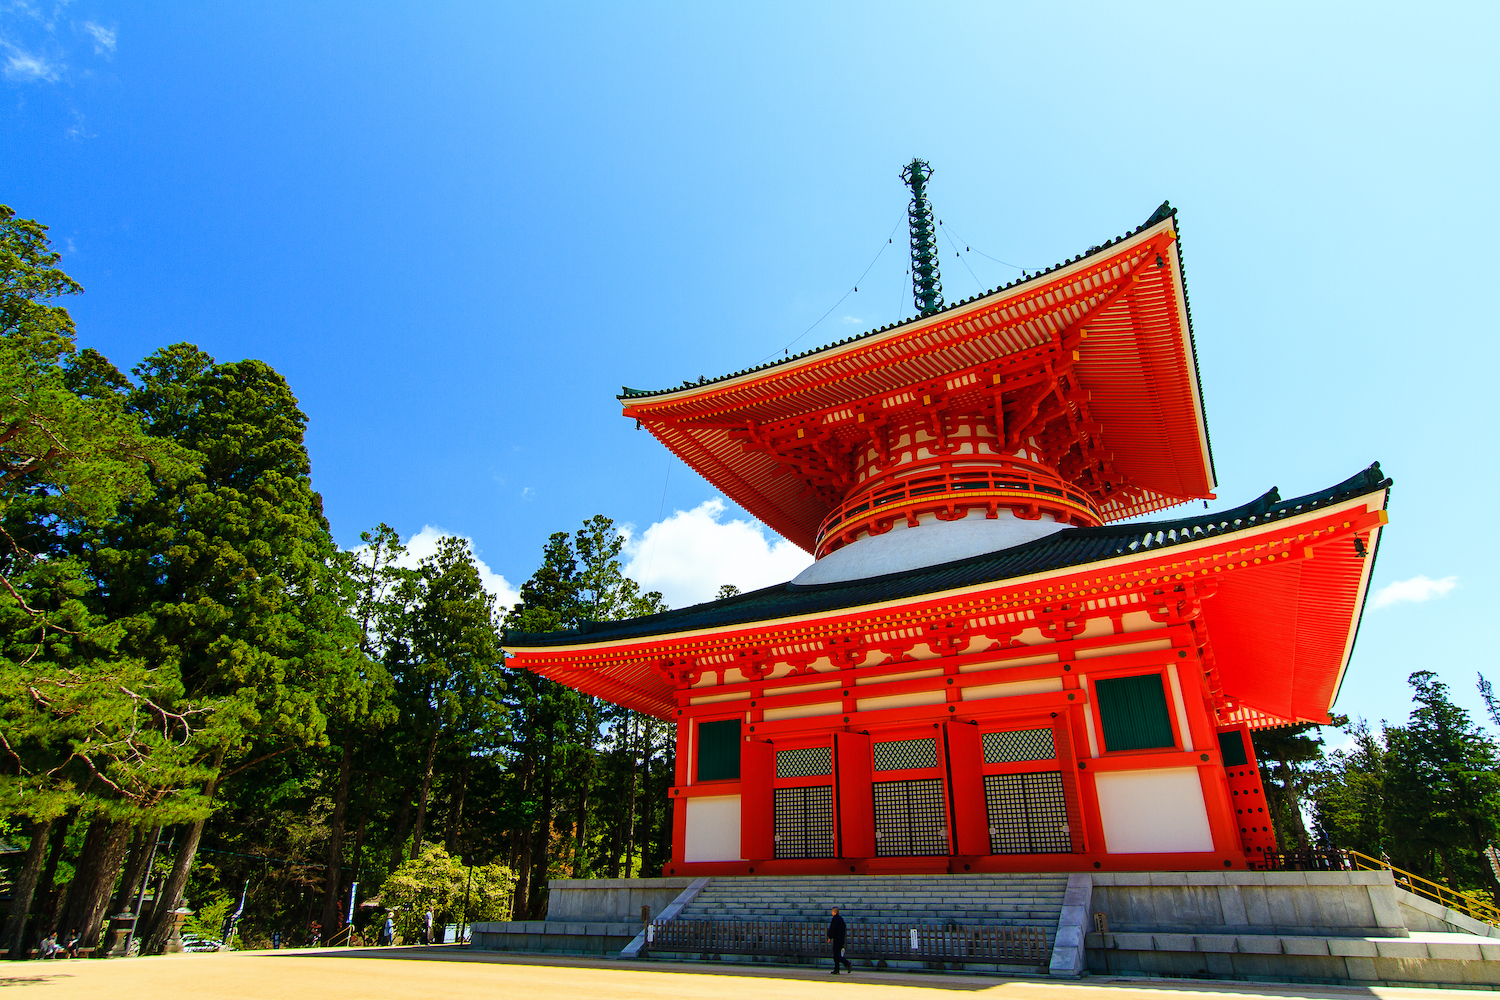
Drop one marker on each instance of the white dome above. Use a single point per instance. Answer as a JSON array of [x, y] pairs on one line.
[[930, 543]]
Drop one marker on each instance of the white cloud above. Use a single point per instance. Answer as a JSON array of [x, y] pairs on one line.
[[104, 38], [1414, 591], [691, 554], [425, 544], [853, 320], [26, 67], [79, 130]]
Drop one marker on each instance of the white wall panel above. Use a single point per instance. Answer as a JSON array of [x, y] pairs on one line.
[[713, 828], [1153, 812]]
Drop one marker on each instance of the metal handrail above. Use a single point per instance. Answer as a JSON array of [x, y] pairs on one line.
[[1471, 904], [1465, 903], [349, 938]]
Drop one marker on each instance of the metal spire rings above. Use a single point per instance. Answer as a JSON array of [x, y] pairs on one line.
[[927, 285]]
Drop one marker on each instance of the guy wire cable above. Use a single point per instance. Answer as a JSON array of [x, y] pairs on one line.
[[852, 289]]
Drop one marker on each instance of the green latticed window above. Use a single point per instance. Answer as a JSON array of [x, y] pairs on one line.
[[1018, 745], [906, 755], [804, 762], [719, 750], [804, 822], [1134, 713]]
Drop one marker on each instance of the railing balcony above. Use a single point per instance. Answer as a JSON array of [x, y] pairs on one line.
[[951, 493]]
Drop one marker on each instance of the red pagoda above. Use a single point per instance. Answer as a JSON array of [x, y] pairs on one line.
[[994, 664]]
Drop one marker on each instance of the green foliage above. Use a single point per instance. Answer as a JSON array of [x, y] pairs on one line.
[[1441, 786], [1349, 793], [1425, 795], [438, 880], [208, 919], [1289, 757], [68, 444], [444, 651], [71, 452]]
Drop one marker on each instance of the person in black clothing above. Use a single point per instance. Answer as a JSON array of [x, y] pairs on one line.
[[836, 933]]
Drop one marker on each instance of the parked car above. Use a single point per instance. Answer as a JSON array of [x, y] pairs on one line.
[[197, 942]]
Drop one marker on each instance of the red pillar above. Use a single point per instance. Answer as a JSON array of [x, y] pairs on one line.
[[1067, 764], [856, 795], [971, 825], [757, 801]]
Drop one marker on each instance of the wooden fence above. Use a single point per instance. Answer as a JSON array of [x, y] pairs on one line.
[[785, 939]]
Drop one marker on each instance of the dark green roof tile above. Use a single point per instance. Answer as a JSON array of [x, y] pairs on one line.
[[1064, 549]]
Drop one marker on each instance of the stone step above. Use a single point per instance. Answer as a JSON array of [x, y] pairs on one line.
[[970, 899]]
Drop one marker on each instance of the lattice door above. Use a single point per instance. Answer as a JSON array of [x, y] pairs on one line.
[[1027, 813], [804, 822], [911, 818]]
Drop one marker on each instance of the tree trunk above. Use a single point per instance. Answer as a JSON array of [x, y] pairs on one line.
[[94, 881], [544, 852], [630, 808], [48, 899], [130, 877], [170, 896], [586, 781], [1293, 806], [24, 886], [359, 840], [648, 810], [416, 838], [651, 851], [1447, 869], [521, 907], [403, 827], [455, 839], [332, 883]]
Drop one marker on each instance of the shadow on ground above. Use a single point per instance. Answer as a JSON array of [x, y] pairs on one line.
[[8, 978], [957, 982]]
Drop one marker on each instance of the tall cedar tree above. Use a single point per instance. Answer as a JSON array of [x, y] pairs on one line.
[[368, 580], [446, 663], [1442, 790], [221, 577], [69, 451], [581, 579]]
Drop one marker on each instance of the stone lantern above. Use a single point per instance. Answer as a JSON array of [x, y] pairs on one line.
[[174, 940], [119, 933]]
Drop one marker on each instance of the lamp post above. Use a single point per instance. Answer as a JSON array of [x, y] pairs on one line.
[[468, 862], [140, 898]]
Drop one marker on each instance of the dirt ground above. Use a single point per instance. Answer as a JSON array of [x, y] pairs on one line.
[[442, 973]]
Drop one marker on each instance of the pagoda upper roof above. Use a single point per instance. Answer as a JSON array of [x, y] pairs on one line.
[[1114, 321]]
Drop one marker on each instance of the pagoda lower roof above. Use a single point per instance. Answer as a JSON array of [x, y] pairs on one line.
[[1283, 633], [1112, 324]]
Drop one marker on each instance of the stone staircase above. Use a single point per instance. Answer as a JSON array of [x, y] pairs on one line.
[[968, 900]]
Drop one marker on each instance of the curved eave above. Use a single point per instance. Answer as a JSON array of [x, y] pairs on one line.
[[1139, 364], [1283, 633]]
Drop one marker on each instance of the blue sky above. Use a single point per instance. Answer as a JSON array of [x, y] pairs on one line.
[[458, 231]]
